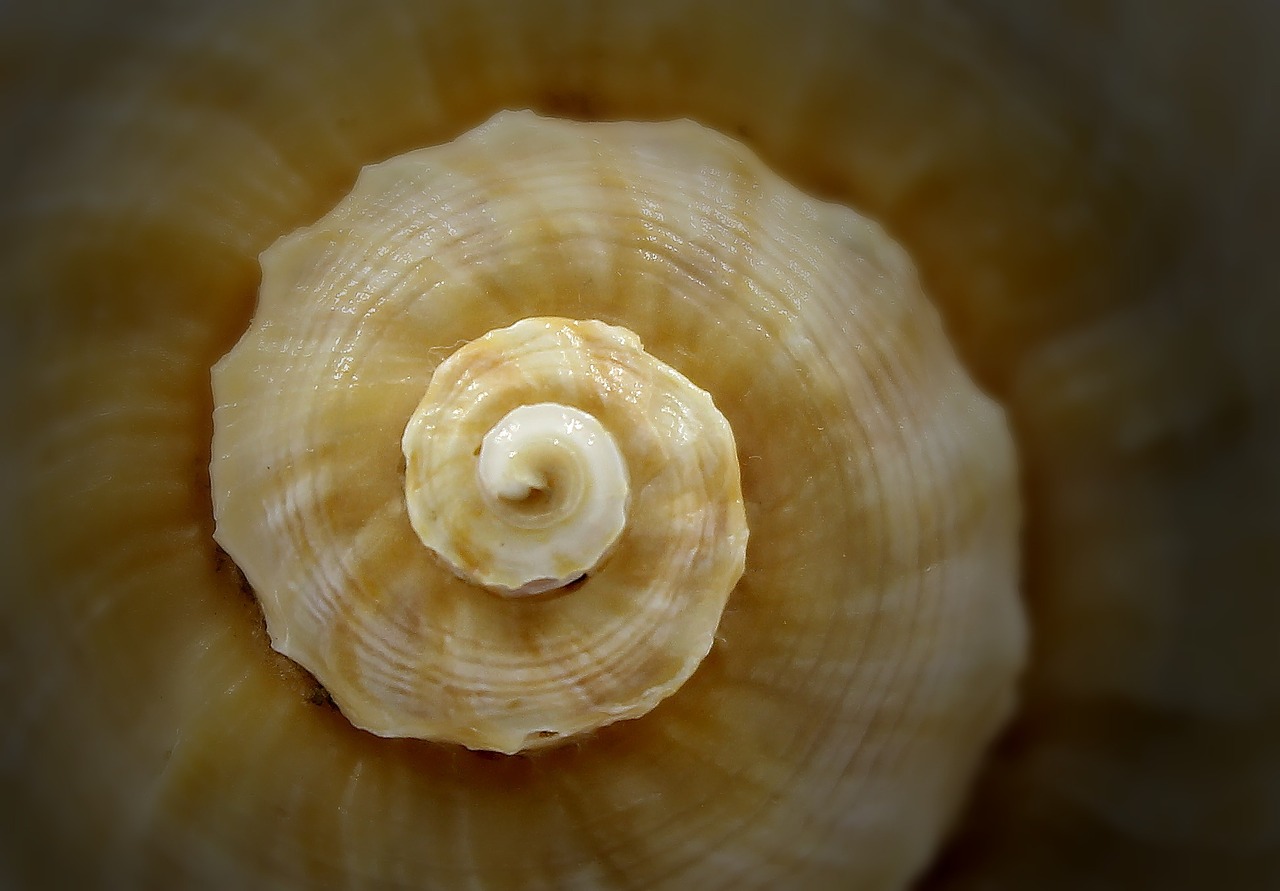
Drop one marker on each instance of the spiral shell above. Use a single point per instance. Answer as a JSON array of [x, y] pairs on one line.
[[802, 320], [544, 497], [1091, 207]]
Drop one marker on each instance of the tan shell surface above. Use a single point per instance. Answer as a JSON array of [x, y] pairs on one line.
[[879, 483], [1088, 192]]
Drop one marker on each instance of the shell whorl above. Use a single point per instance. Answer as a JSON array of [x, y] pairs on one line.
[[538, 506], [543, 498], [877, 481]]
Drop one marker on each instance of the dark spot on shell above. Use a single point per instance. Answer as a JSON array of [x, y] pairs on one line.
[[320, 696]]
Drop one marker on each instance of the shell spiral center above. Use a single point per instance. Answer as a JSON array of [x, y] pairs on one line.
[[553, 487]]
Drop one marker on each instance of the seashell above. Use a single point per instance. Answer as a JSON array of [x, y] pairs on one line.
[[388, 596], [1090, 213]]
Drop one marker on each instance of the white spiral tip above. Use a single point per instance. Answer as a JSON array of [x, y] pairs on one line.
[[554, 478]]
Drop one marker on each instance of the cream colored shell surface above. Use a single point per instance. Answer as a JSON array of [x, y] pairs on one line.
[[1088, 193], [878, 481]]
